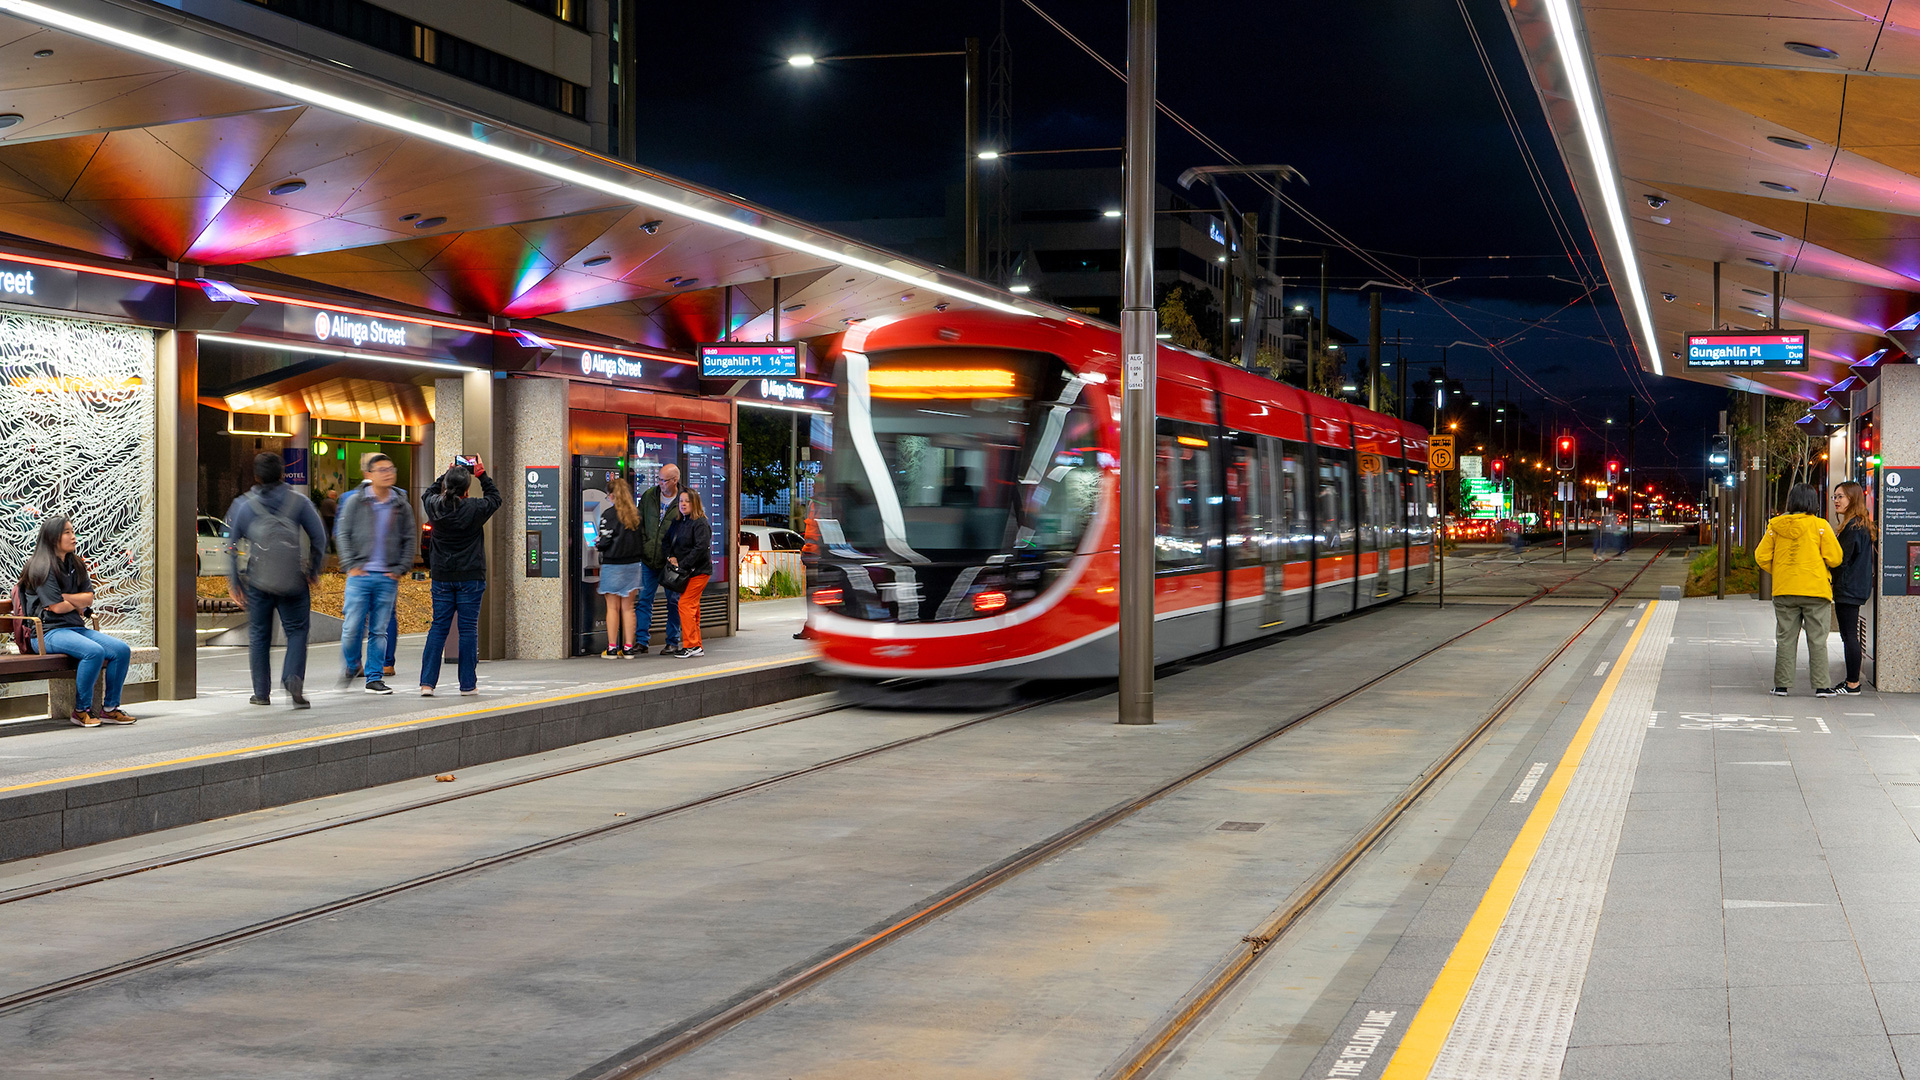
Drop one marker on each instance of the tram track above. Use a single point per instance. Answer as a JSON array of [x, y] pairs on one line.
[[694, 1031]]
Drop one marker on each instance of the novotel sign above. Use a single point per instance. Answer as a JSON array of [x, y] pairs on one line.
[[1748, 350]]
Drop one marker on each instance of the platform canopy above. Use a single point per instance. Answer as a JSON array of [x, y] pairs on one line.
[[1760, 134], [139, 134]]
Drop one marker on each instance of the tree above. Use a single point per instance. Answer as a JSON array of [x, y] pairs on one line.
[[764, 440], [1177, 320], [1784, 449]]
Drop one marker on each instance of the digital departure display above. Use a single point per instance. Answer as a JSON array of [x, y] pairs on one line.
[[737, 360], [1748, 350]]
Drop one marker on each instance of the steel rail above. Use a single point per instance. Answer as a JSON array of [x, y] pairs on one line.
[[694, 1032], [1151, 1050]]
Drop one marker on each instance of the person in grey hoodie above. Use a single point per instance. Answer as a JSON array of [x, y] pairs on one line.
[[377, 540]]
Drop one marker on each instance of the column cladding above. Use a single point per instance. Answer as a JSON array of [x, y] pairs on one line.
[[1897, 643], [531, 418]]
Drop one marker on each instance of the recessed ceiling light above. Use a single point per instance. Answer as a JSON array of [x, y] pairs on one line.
[[793, 307], [1768, 235], [430, 223], [7, 120], [1818, 52], [42, 54], [1759, 262], [409, 217], [1662, 220], [598, 260], [651, 227], [686, 282], [1777, 185], [287, 187], [1791, 144], [1754, 310], [1753, 292]]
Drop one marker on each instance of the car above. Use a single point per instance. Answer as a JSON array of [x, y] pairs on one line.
[[210, 547], [770, 538]]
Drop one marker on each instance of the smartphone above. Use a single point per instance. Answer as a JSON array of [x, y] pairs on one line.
[[467, 460]]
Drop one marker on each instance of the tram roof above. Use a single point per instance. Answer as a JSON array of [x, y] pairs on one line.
[[150, 136], [1714, 111]]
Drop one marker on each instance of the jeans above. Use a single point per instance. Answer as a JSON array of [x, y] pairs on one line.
[[451, 598], [687, 604], [1793, 615], [369, 606], [643, 608], [94, 650], [294, 609], [393, 633], [1848, 618]]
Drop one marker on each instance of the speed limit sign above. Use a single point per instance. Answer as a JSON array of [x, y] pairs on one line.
[[1440, 453]]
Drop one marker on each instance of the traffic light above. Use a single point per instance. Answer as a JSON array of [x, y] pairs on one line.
[[1563, 455], [1499, 469], [1718, 455], [1613, 470]]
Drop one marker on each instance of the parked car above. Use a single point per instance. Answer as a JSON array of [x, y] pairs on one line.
[[767, 549], [210, 547], [769, 538]]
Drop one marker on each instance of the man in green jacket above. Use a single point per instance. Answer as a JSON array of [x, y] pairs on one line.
[[659, 508]]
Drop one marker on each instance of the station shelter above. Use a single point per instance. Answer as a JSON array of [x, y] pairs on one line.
[[259, 253]]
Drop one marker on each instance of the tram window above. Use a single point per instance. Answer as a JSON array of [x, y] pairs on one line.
[[1393, 522], [1246, 504], [1335, 511], [1187, 503], [1295, 516]]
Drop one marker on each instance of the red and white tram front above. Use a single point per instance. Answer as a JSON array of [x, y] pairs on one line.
[[961, 487]]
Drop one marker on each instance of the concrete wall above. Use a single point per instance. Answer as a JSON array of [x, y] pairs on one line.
[[1897, 645], [530, 432]]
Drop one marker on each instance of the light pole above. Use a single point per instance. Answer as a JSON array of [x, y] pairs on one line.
[[969, 157], [1138, 324]]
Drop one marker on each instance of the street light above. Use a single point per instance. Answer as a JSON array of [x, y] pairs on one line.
[[971, 136]]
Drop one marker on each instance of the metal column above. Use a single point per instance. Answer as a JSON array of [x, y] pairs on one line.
[[1373, 353], [972, 185], [1138, 324], [177, 370], [477, 437]]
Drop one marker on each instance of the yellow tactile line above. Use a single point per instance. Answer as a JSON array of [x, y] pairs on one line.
[[402, 724], [1427, 1034]]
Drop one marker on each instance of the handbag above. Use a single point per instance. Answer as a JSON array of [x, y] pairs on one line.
[[675, 579]]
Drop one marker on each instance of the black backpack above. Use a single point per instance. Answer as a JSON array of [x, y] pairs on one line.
[[276, 557]]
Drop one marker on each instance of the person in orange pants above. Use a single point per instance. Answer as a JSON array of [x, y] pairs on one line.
[[689, 552]]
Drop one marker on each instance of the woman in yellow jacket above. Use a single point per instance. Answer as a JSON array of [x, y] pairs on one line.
[[1799, 550]]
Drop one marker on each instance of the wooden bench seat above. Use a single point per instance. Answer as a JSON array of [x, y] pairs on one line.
[[58, 670]]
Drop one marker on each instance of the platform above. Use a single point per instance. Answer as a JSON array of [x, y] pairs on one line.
[[187, 761]]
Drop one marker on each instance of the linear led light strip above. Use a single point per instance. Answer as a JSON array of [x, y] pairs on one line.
[[275, 343], [112, 35], [1573, 59]]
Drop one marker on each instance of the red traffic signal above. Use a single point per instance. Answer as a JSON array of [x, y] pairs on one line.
[[1563, 454], [1499, 468], [1613, 469]]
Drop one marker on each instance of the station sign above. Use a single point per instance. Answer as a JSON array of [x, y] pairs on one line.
[[56, 287], [1748, 350], [795, 393], [327, 328], [755, 360], [623, 367]]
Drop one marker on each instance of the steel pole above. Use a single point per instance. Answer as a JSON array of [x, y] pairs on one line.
[[1373, 353], [1138, 324], [971, 192]]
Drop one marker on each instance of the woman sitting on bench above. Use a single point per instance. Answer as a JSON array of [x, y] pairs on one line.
[[55, 589]]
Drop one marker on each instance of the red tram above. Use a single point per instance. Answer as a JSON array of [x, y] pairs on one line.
[[965, 524]]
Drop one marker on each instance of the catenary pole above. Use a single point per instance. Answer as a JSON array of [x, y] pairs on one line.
[[1373, 352], [1138, 326], [971, 186]]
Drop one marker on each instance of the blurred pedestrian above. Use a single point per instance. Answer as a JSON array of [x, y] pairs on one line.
[[1853, 578], [459, 568], [377, 540], [273, 520], [55, 588], [659, 509], [622, 545], [1798, 550], [689, 556]]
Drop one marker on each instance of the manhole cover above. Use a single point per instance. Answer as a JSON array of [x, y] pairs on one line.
[[1242, 826]]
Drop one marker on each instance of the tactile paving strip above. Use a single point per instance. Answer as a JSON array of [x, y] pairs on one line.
[[1517, 1018]]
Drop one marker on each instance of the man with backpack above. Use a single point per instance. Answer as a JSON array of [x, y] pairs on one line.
[[280, 573]]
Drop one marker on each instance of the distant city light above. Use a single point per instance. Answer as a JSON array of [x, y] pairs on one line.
[[1021, 289], [800, 60], [988, 155], [1110, 213]]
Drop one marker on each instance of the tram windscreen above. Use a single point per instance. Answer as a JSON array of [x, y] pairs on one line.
[[980, 452]]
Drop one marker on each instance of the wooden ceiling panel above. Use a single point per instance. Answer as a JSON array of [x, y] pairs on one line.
[[1746, 37], [1807, 103]]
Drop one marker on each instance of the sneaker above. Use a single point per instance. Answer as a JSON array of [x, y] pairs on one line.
[[1778, 691], [1826, 691], [470, 693], [294, 688], [378, 687], [612, 653], [684, 654], [258, 700], [83, 718], [671, 652], [116, 716], [1843, 690], [632, 651], [426, 691]]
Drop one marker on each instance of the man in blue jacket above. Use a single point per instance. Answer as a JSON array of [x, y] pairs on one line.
[[291, 598], [377, 540]]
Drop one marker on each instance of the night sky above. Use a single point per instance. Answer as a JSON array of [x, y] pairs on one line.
[[1384, 107]]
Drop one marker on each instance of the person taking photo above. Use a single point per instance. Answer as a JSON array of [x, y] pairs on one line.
[[458, 564], [272, 520], [378, 541]]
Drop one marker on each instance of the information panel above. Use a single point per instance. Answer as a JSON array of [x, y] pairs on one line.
[[543, 521], [739, 360], [1899, 530], [1748, 350]]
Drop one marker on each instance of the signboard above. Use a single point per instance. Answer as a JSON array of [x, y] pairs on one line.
[[325, 328], [294, 460], [1473, 466], [1566, 491], [543, 521], [795, 393], [742, 360], [1485, 499], [1748, 350], [1899, 530], [27, 282], [625, 368], [1440, 453]]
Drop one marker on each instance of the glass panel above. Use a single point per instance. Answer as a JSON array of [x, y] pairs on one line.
[[1334, 508], [1246, 505], [1187, 526]]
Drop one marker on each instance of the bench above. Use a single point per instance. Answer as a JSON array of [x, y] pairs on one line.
[[57, 670]]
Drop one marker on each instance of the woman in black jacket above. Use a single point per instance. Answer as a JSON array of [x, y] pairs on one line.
[[621, 544], [689, 551], [1853, 578]]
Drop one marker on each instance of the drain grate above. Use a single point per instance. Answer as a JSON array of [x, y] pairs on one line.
[[1242, 826]]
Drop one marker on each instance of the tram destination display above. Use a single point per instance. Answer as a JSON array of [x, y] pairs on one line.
[[1748, 350], [756, 360]]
